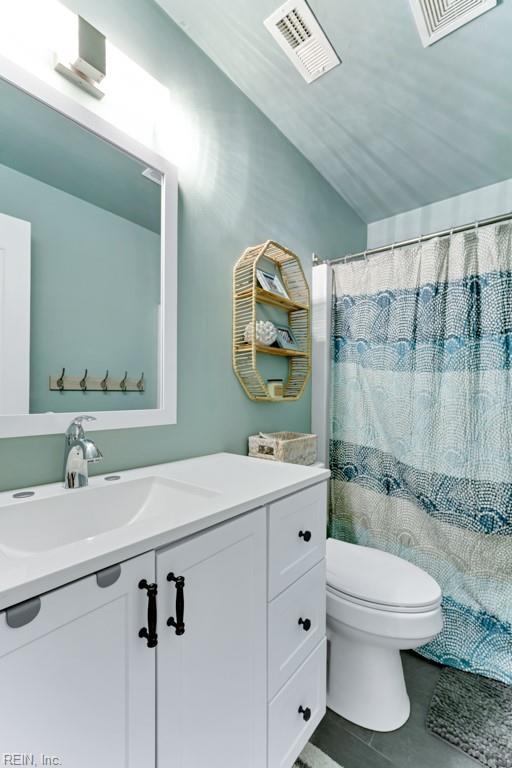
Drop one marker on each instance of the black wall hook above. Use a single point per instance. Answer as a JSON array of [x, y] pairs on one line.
[[83, 382], [60, 381], [104, 382]]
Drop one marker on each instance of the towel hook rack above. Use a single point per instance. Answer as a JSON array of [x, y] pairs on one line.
[[107, 384]]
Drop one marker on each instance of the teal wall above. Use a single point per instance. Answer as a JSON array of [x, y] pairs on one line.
[[253, 185], [43, 144], [477, 205], [95, 294]]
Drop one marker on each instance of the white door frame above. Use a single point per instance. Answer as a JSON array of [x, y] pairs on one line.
[[14, 315]]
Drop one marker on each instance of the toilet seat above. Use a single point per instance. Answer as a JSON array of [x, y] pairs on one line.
[[379, 580], [381, 607]]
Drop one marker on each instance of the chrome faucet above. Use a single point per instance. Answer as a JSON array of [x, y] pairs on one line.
[[79, 452]]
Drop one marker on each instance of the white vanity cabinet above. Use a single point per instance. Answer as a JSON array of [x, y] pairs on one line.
[[76, 681], [211, 687], [209, 651]]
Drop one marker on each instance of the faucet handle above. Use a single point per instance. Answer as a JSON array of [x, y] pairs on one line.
[[80, 419], [75, 430]]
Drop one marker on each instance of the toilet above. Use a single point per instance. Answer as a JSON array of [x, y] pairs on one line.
[[377, 605]]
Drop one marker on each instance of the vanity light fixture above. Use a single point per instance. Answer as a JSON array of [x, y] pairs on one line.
[[89, 67]]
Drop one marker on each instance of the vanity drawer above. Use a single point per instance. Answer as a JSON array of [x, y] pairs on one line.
[[297, 533], [289, 642], [288, 730]]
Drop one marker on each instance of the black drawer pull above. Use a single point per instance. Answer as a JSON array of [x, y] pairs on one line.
[[150, 632], [178, 623], [306, 535], [305, 623], [306, 713]]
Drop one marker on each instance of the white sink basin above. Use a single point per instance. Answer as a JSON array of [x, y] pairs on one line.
[[35, 526]]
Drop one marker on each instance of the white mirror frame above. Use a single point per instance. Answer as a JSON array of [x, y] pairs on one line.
[[19, 425]]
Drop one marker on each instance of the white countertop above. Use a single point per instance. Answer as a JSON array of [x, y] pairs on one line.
[[232, 485]]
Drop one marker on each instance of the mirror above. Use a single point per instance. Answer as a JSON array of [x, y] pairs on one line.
[[81, 269]]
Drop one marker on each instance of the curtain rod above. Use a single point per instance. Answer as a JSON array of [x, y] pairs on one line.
[[420, 239]]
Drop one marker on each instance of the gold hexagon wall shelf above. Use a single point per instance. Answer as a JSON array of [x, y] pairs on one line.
[[247, 295]]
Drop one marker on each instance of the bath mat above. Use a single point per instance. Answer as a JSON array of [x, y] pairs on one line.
[[312, 757], [473, 714]]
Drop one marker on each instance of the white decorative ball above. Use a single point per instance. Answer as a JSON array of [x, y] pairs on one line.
[[266, 332]]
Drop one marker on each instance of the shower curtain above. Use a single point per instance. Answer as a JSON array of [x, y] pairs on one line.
[[421, 428]]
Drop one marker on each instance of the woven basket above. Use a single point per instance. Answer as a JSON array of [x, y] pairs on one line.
[[291, 447]]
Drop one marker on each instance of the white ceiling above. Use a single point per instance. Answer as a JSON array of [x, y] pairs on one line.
[[396, 126]]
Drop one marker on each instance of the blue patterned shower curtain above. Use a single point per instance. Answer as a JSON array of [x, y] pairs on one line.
[[421, 428]]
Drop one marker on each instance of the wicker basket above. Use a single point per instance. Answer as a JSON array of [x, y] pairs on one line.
[[292, 447]]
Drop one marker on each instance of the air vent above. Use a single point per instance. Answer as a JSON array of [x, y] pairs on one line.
[[302, 39], [437, 18]]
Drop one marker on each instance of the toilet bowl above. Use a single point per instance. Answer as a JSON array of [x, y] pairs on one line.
[[377, 605]]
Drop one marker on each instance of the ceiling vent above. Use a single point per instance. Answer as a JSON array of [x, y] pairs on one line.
[[437, 18], [302, 39]]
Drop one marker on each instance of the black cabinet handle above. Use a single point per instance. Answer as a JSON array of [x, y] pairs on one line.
[[149, 632], [306, 535], [178, 623], [305, 623], [306, 713]]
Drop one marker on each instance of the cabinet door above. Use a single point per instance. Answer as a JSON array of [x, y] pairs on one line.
[[77, 682], [211, 680]]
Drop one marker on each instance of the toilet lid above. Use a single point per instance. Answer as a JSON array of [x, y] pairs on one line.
[[378, 577]]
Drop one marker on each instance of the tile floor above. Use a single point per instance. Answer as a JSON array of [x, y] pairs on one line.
[[412, 746]]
